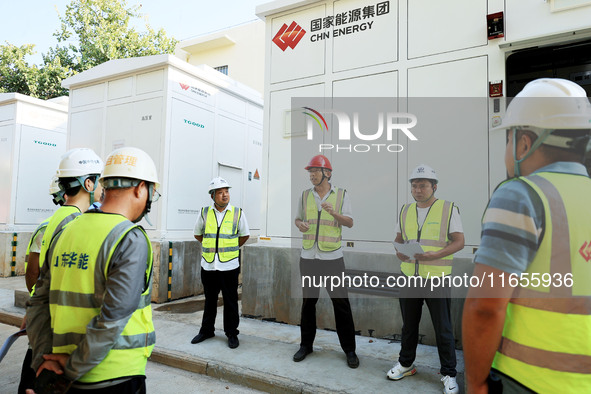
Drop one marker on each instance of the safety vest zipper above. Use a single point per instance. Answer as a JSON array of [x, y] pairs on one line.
[[420, 228], [217, 237], [318, 229]]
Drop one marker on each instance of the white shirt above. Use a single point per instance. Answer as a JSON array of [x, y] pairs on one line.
[[243, 231], [314, 252], [36, 244], [455, 224]]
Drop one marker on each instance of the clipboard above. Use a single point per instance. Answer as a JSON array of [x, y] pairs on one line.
[[409, 249]]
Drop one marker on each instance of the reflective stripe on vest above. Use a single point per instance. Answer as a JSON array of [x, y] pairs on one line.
[[60, 217], [432, 235], [545, 344], [324, 229], [79, 269], [222, 240]]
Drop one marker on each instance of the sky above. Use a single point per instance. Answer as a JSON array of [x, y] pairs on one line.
[[35, 21]]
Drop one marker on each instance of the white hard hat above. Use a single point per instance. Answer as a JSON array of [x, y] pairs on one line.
[[549, 103], [423, 171], [79, 162], [54, 186], [56, 191], [217, 183], [130, 163]]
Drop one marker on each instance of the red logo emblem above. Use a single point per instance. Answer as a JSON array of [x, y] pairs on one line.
[[184, 87], [585, 251], [289, 36]]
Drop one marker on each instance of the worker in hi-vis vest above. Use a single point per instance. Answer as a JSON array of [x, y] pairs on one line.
[[321, 213], [90, 319], [77, 180], [34, 246], [436, 225], [77, 174], [32, 274], [528, 327], [222, 229]]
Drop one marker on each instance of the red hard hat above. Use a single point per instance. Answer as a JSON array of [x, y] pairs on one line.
[[319, 161]]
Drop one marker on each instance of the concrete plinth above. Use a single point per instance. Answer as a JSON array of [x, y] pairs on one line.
[[269, 292], [6, 253], [185, 273]]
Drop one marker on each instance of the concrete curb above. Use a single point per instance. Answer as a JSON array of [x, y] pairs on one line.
[[232, 373], [10, 319]]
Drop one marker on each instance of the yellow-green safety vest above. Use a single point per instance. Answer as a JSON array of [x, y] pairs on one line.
[[55, 223], [546, 343], [222, 240], [42, 226], [433, 236], [324, 228], [79, 269]]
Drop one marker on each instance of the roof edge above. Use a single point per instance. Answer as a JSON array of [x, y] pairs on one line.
[[120, 67]]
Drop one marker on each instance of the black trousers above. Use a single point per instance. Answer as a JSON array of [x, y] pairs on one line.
[[499, 383], [227, 282], [439, 309], [340, 303], [136, 385], [27, 373]]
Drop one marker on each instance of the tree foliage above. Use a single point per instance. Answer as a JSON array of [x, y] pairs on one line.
[[16, 75], [91, 32]]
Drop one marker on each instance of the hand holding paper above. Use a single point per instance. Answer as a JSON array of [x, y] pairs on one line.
[[409, 249]]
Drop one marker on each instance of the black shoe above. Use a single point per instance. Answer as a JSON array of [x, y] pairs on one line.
[[301, 354], [352, 360], [201, 337], [233, 342]]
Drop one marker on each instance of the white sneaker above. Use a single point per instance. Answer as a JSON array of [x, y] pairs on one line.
[[398, 371], [450, 386]]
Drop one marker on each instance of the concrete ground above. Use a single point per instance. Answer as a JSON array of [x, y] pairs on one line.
[[263, 361], [160, 378]]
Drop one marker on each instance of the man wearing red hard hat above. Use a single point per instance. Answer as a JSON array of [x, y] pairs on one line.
[[322, 212]]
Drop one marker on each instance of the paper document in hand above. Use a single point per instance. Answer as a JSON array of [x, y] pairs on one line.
[[409, 249]]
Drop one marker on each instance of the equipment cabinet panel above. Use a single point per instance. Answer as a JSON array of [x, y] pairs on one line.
[[190, 163], [452, 134], [445, 26], [369, 35], [293, 58], [39, 155]]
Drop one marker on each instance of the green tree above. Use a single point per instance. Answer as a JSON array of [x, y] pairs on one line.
[[16, 75], [103, 32], [91, 32]]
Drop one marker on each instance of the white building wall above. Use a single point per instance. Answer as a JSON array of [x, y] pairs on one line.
[[241, 48]]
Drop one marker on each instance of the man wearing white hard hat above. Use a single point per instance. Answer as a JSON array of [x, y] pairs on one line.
[[90, 319], [436, 225], [222, 229], [32, 274], [77, 177], [34, 247], [528, 329]]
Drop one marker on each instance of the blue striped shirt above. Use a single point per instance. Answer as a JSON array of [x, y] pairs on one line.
[[513, 222]]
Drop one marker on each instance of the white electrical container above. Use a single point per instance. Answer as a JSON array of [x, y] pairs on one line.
[[32, 140], [440, 62], [194, 122]]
